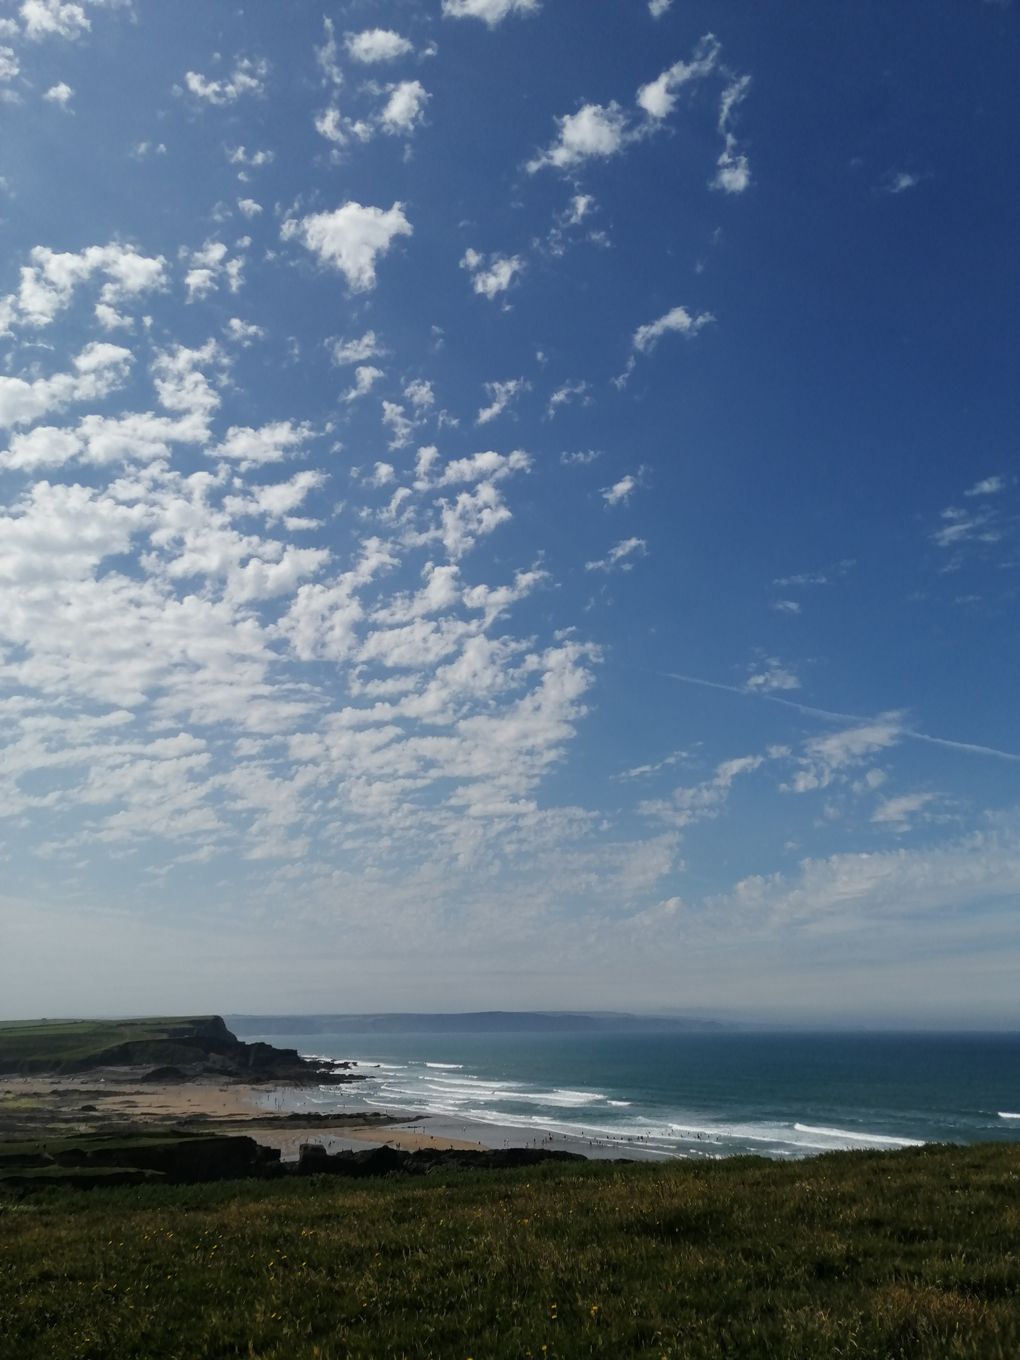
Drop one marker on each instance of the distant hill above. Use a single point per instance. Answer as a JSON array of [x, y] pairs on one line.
[[470, 1022]]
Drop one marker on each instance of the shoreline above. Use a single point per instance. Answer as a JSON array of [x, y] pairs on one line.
[[112, 1099]]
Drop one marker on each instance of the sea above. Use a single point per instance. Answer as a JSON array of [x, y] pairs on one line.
[[695, 1095]]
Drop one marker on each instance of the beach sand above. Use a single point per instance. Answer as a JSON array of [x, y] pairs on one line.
[[33, 1107]]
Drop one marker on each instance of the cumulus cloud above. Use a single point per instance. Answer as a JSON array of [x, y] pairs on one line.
[[376, 44], [657, 8], [564, 395], [252, 448], [420, 394], [491, 12], [325, 56], [705, 800], [249, 207], [733, 174], [48, 284], [898, 813], [400, 426], [99, 369], [404, 108], [677, 320], [488, 466], [826, 757], [59, 94], [489, 281], [988, 486], [331, 125], [354, 351], [350, 238], [208, 266], [617, 556], [365, 377], [592, 131], [53, 18], [502, 394], [9, 65], [244, 332], [619, 493], [770, 676], [658, 98], [248, 77]]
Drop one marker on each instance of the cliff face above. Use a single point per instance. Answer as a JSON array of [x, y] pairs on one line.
[[176, 1048]]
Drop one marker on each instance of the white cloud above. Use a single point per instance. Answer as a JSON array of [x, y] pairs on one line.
[[325, 56], [404, 108], [376, 44], [898, 812], [786, 606], [502, 394], [826, 756], [420, 394], [209, 265], [620, 491], [989, 486], [393, 416], [244, 332], [579, 459], [678, 320], [491, 12], [59, 94], [350, 238], [43, 18], [617, 555], [249, 207], [658, 98], [354, 351], [254, 161], [899, 181], [701, 801], [733, 174], [564, 395], [473, 515], [330, 125], [101, 368], [488, 282], [9, 66], [772, 677], [488, 466], [248, 78], [253, 448], [657, 8], [49, 282], [365, 376], [592, 131]]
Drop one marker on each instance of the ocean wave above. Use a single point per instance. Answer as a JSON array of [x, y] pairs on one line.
[[877, 1139], [1005, 1114], [447, 1066]]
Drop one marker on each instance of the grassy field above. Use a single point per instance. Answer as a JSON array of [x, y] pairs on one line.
[[78, 1045], [909, 1254]]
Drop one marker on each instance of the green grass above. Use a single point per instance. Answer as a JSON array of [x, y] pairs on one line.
[[910, 1254], [78, 1045]]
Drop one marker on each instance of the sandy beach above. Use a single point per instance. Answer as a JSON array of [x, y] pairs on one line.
[[31, 1107]]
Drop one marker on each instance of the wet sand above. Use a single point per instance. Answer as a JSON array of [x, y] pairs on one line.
[[32, 1107]]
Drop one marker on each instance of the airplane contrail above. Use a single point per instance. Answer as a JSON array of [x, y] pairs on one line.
[[970, 747]]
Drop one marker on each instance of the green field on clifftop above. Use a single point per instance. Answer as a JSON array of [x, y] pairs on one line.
[[913, 1254], [80, 1045]]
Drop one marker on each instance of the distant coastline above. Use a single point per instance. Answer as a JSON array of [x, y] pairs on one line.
[[471, 1022]]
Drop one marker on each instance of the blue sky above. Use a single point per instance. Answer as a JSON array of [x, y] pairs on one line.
[[510, 504]]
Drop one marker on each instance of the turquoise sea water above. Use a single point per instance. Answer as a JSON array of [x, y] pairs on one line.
[[698, 1094]]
